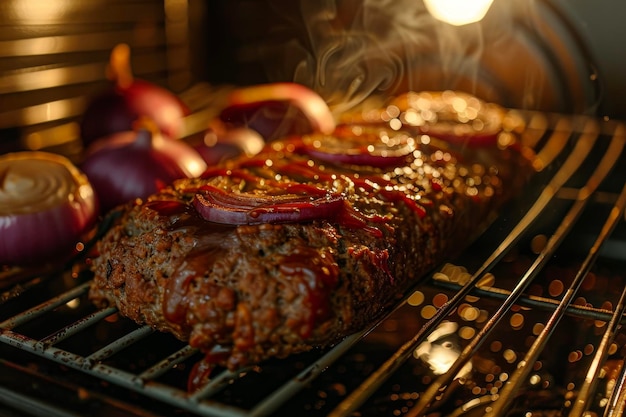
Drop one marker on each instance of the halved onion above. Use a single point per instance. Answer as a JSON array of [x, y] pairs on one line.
[[46, 204], [449, 115], [278, 109], [219, 206], [361, 145]]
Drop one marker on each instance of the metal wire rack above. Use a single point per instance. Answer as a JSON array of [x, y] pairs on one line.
[[527, 320]]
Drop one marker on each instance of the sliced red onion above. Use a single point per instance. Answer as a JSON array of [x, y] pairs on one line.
[[278, 109], [358, 145], [219, 206], [449, 115], [46, 204], [132, 165]]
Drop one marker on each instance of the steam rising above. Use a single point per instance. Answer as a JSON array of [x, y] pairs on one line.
[[522, 54], [350, 52]]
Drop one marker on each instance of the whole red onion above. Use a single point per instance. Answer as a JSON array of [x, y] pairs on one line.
[[127, 100], [135, 164]]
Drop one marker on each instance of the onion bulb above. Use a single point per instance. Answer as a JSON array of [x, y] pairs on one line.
[[136, 164], [278, 109], [129, 99], [46, 204]]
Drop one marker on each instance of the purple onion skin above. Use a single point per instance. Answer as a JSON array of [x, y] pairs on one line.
[[119, 176], [47, 207], [108, 113], [117, 110], [131, 165], [46, 236], [271, 119], [219, 152]]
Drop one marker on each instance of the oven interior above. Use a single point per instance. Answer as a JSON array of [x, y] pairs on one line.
[[526, 322]]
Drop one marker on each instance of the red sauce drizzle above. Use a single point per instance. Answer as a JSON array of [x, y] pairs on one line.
[[318, 274], [299, 173], [300, 169], [353, 219], [381, 260], [201, 372], [175, 301], [167, 207], [211, 243]]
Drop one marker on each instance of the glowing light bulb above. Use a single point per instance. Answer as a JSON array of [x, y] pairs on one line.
[[458, 12]]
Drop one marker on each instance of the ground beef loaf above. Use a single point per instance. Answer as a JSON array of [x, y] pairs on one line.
[[315, 272]]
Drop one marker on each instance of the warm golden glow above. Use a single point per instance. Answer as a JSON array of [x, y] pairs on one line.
[[40, 10], [458, 12]]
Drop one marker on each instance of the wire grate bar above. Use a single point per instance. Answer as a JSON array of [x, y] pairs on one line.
[[119, 344], [544, 303], [77, 326], [166, 394], [588, 387], [32, 345], [217, 383], [617, 403], [581, 150], [279, 396], [168, 363], [45, 307], [542, 259], [570, 219], [519, 377]]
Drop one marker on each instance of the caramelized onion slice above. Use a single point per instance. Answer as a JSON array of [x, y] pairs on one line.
[[219, 206], [46, 204], [451, 116], [361, 145]]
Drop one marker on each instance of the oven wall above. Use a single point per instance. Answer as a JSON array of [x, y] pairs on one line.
[[52, 59], [601, 25], [551, 55]]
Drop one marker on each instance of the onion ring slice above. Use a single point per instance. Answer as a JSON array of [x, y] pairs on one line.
[[219, 206], [452, 116], [361, 145]]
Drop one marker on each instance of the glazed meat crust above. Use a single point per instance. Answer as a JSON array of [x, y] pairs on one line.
[[243, 293]]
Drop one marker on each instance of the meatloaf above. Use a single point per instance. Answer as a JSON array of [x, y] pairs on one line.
[[300, 245]]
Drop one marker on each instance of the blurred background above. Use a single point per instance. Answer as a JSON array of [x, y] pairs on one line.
[[551, 55]]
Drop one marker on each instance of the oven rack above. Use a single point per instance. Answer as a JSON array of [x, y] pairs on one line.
[[562, 145]]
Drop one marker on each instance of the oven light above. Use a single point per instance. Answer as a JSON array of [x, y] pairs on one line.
[[458, 12]]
